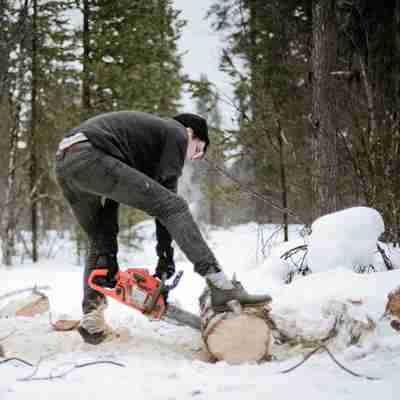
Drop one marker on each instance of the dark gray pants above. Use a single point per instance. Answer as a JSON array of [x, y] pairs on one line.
[[87, 176]]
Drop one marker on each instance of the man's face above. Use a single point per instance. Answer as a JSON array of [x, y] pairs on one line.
[[195, 149]]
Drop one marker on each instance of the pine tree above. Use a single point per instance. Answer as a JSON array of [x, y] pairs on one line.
[[132, 59], [271, 39], [45, 90]]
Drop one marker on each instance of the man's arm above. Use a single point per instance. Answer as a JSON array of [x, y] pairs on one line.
[[169, 170], [164, 249]]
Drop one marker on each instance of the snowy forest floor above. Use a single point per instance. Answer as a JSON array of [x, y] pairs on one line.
[[163, 361]]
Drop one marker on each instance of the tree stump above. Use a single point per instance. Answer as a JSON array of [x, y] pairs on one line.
[[235, 336]]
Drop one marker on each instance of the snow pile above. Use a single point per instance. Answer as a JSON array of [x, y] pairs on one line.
[[344, 239]]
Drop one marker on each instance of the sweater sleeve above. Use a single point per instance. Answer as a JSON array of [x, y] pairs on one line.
[[172, 158], [168, 172]]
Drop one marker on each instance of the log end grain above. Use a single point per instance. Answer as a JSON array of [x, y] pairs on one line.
[[239, 338]]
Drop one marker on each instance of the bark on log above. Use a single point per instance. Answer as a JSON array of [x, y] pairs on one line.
[[393, 309], [236, 336]]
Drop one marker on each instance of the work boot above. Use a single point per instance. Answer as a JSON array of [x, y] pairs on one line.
[[93, 327], [109, 263], [224, 290]]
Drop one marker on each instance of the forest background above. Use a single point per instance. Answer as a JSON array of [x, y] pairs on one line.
[[315, 105]]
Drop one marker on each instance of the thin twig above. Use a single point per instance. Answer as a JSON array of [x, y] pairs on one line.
[[255, 194], [339, 364], [6, 360], [32, 376], [306, 357]]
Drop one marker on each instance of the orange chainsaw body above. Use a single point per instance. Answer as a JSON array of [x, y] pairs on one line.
[[135, 288]]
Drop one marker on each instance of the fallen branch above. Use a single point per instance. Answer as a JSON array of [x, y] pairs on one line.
[[323, 347], [34, 289]]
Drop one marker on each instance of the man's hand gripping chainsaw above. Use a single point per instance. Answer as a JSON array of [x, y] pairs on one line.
[[138, 289]]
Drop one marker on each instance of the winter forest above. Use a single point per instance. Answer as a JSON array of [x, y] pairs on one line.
[[299, 192], [314, 102]]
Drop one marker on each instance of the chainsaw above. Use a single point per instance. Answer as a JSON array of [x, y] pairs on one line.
[[138, 289]]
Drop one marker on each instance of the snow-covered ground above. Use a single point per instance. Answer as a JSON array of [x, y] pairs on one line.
[[163, 361]]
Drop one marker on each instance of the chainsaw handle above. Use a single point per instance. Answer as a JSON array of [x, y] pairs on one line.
[[176, 281], [149, 306], [95, 274]]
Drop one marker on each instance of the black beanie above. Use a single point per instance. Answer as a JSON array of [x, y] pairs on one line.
[[197, 123]]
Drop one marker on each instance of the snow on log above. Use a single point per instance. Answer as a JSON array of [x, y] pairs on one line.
[[26, 306], [337, 323], [236, 336]]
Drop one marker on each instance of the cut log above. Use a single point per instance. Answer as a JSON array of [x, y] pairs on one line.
[[236, 336], [26, 306], [64, 325]]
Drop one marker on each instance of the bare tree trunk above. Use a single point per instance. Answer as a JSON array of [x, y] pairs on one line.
[[86, 104], [284, 188], [4, 50], [324, 151], [33, 156], [9, 218], [163, 103]]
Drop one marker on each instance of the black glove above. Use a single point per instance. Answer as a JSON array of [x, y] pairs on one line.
[[165, 263]]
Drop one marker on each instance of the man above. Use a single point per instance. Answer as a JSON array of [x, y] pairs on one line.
[[135, 158]]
